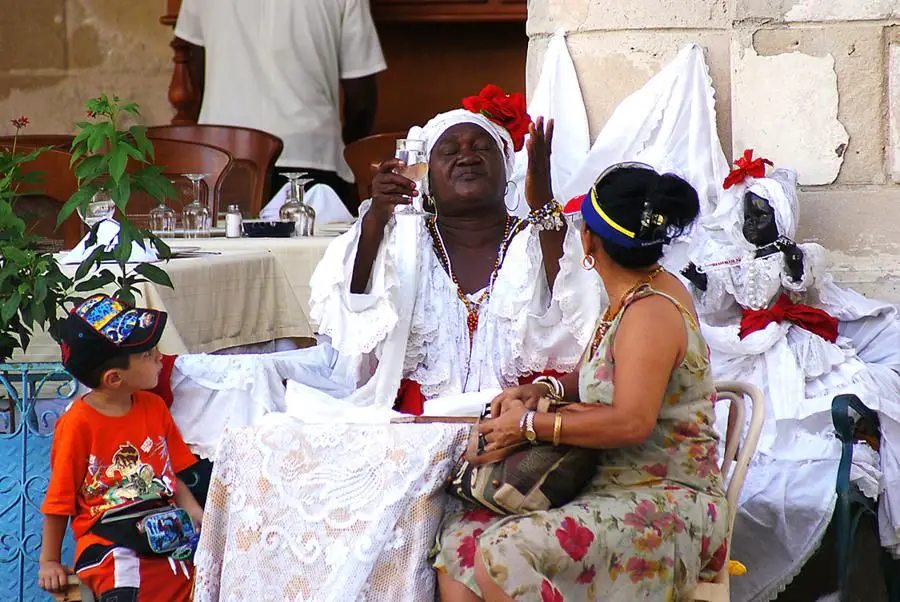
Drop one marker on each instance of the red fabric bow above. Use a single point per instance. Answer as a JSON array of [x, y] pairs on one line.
[[574, 205], [746, 167], [506, 110], [809, 318]]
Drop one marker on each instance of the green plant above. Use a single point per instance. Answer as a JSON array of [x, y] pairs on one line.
[[101, 153], [33, 289]]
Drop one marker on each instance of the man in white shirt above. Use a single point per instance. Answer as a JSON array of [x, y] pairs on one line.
[[279, 65]]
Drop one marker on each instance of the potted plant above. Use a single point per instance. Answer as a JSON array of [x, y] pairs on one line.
[[33, 289], [115, 161]]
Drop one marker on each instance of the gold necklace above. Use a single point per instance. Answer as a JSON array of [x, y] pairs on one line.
[[610, 314]]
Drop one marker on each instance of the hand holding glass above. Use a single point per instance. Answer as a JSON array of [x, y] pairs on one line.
[[412, 153]]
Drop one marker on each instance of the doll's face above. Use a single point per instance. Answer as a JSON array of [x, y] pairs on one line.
[[759, 220]]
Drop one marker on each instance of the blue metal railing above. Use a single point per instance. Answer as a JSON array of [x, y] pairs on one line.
[[32, 397]]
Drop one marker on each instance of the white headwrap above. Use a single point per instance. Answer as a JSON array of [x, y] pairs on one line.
[[442, 122], [779, 188]]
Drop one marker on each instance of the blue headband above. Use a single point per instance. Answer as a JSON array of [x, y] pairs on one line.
[[604, 226]]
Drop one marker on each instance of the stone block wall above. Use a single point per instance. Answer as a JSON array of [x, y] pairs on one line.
[[55, 54], [811, 84]]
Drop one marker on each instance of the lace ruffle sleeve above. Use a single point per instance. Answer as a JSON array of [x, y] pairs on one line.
[[356, 323]]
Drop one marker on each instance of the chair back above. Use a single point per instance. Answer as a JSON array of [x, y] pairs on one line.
[[60, 141], [40, 203], [738, 452], [364, 156], [176, 158], [254, 153]]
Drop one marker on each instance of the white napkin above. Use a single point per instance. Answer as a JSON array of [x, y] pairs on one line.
[[464, 404], [327, 204], [108, 235]]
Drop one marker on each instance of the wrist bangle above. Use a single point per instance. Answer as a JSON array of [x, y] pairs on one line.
[[548, 217], [555, 386], [522, 421], [557, 428]]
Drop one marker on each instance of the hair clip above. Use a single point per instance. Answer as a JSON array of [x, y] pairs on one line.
[[651, 222]]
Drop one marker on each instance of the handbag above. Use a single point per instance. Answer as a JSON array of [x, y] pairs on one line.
[[522, 477]]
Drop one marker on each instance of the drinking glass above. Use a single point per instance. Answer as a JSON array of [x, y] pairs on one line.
[[412, 153], [195, 215], [100, 207], [303, 216], [162, 218]]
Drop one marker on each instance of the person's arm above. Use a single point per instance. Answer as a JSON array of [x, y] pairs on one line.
[[189, 30], [539, 192], [360, 106], [649, 341], [52, 575], [388, 190], [185, 499]]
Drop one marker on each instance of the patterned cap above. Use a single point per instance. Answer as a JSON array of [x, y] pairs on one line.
[[102, 327]]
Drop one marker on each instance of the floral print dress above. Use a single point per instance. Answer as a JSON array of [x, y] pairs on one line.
[[648, 526]]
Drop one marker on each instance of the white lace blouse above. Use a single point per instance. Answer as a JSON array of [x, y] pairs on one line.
[[522, 328]]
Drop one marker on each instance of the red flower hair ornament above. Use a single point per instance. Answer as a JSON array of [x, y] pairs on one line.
[[506, 110], [746, 167]]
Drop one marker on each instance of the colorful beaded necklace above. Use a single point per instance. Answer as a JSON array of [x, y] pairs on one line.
[[473, 308], [610, 314]]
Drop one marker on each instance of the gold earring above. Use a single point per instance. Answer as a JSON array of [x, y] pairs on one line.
[[588, 262]]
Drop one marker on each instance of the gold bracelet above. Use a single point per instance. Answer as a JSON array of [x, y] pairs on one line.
[[557, 428]]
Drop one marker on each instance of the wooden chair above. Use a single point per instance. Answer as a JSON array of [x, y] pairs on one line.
[[41, 203], [60, 141], [364, 155], [739, 453], [254, 153], [177, 158]]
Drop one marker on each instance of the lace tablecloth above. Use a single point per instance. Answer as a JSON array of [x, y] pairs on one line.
[[282, 524]]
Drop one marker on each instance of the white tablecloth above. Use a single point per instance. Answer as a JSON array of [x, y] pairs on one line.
[[251, 291]]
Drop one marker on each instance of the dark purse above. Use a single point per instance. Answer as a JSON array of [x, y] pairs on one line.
[[523, 477]]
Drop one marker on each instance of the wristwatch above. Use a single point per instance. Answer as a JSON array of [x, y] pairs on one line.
[[530, 433]]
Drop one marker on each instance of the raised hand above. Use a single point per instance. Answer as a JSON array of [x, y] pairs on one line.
[[390, 189], [538, 188]]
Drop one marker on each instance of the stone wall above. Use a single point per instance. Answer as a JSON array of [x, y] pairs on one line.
[[811, 84], [55, 54]]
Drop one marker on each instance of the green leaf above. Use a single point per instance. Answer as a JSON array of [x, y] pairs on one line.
[[89, 167], [132, 108], [84, 134], [123, 247], [154, 274], [85, 266], [126, 296], [79, 198], [96, 282], [10, 307], [139, 133], [121, 193], [40, 290]]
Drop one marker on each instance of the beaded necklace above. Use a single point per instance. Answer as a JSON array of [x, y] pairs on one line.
[[610, 314], [473, 308]]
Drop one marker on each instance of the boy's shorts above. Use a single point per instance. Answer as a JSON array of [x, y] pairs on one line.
[[117, 574]]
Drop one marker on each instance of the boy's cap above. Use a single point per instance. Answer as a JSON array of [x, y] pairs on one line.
[[102, 328]]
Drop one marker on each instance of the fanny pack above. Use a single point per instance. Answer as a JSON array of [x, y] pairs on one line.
[[150, 529]]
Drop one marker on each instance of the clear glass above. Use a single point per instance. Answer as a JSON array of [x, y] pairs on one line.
[[412, 152], [303, 216], [162, 218], [100, 207], [195, 215]]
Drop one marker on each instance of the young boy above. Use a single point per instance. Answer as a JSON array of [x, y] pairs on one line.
[[115, 454]]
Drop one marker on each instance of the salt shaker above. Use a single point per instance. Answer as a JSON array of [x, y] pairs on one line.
[[233, 220]]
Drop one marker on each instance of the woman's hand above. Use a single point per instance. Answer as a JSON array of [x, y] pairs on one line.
[[504, 431], [52, 576], [527, 395], [538, 189], [390, 189]]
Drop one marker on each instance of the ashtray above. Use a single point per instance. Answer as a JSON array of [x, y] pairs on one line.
[[262, 228]]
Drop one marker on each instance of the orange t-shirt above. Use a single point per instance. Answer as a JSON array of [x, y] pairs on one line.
[[99, 462]]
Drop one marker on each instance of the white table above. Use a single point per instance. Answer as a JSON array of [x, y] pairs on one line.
[[252, 290]]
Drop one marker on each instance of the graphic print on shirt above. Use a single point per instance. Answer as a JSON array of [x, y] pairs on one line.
[[129, 477]]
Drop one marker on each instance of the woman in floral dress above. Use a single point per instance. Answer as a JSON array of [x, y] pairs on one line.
[[653, 520]]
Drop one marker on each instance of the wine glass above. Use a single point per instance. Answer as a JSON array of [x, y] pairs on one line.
[[162, 218], [195, 215], [303, 216], [100, 207], [412, 153]]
